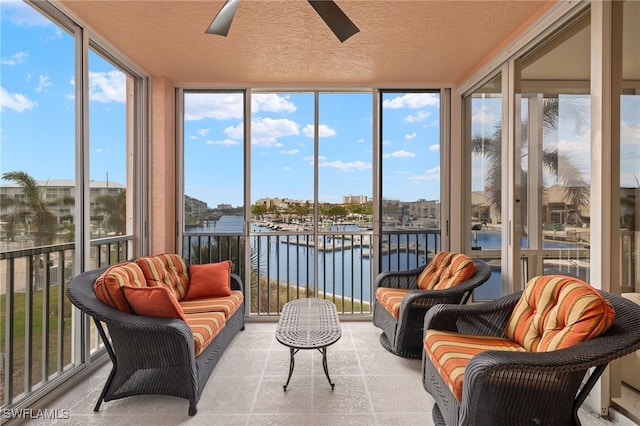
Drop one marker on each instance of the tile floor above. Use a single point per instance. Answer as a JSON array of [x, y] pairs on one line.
[[372, 387]]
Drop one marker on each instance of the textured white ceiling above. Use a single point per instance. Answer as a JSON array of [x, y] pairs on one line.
[[284, 42]]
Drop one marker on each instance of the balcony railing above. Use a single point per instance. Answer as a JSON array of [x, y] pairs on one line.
[[336, 265], [35, 314]]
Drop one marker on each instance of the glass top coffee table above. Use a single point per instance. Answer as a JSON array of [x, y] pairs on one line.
[[308, 324]]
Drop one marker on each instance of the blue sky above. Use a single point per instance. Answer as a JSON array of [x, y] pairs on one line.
[[282, 149], [37, 87], [38, 112]]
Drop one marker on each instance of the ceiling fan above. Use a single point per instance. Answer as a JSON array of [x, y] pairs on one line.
[[328, 10]]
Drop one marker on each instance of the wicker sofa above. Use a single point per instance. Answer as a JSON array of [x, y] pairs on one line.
[[153, 352], [494, 363]]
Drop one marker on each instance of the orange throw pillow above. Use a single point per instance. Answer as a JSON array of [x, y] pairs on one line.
[[209, 280], [155, 302]]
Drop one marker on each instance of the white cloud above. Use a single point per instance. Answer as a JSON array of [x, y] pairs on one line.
[[266, 131], [399, 154], [19, 13], [219, 106], [346, 166], [387, 143], [290, 152], [44, 83], [15, 101], [225, 142], [361, 140], [410, 136], [324, 131], [629, 134], [105, 87], [203, 132], [434, 148], [419, 116], [15, 59], [271, 102], [412, 100], [309, 159], [429, 174], [483, 115]]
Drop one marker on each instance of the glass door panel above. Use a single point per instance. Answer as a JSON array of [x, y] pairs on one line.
[[345, 198], [213, 191], [410, 179], [282, 183], [484, 124], [554, 147]]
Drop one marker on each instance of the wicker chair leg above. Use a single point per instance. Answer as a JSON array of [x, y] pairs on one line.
[[193, 409], [112, 355], [438, 419], [105, 388]]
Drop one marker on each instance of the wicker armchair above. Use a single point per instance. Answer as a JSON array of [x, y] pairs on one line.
[[151, 355], [403, 335], [508, 388]]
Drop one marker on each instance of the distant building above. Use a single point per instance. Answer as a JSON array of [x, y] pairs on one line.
[[194, 207], [225, 206], [58, 189], [354, 199], [280, 203]]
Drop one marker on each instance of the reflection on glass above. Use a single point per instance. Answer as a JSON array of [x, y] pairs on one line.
[[555, 150], [484, 126]]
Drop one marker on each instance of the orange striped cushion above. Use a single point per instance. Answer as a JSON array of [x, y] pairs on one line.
[[556, 312], [108, 285], [227, 304], [391, 299], [204, 326], [166, 270], [451, 352], [445, 270]]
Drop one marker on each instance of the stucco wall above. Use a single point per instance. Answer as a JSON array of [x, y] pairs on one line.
[[162, 167]]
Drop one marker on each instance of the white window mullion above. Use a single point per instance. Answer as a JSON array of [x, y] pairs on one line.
[[606, 84]]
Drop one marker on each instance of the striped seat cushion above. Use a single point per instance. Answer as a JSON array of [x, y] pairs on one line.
[[166, 270], [204, 326], [556, 312], [445, 270], [391, 299], [108, 285], [450, 353], [226, 304]]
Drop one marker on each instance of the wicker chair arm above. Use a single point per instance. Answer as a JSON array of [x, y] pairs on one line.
[[488, 318], [236, 283], [399, 279]]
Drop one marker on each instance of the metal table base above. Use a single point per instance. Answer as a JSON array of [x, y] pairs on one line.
[[308, 324]]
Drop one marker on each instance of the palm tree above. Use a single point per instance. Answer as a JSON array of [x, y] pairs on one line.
[[576, 189], [32, 209], [114, 207]]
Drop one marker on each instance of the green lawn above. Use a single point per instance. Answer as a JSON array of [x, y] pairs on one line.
[[19, 349]]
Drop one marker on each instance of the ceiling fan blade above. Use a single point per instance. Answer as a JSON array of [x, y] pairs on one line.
[[335, 18], [221, 23]]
